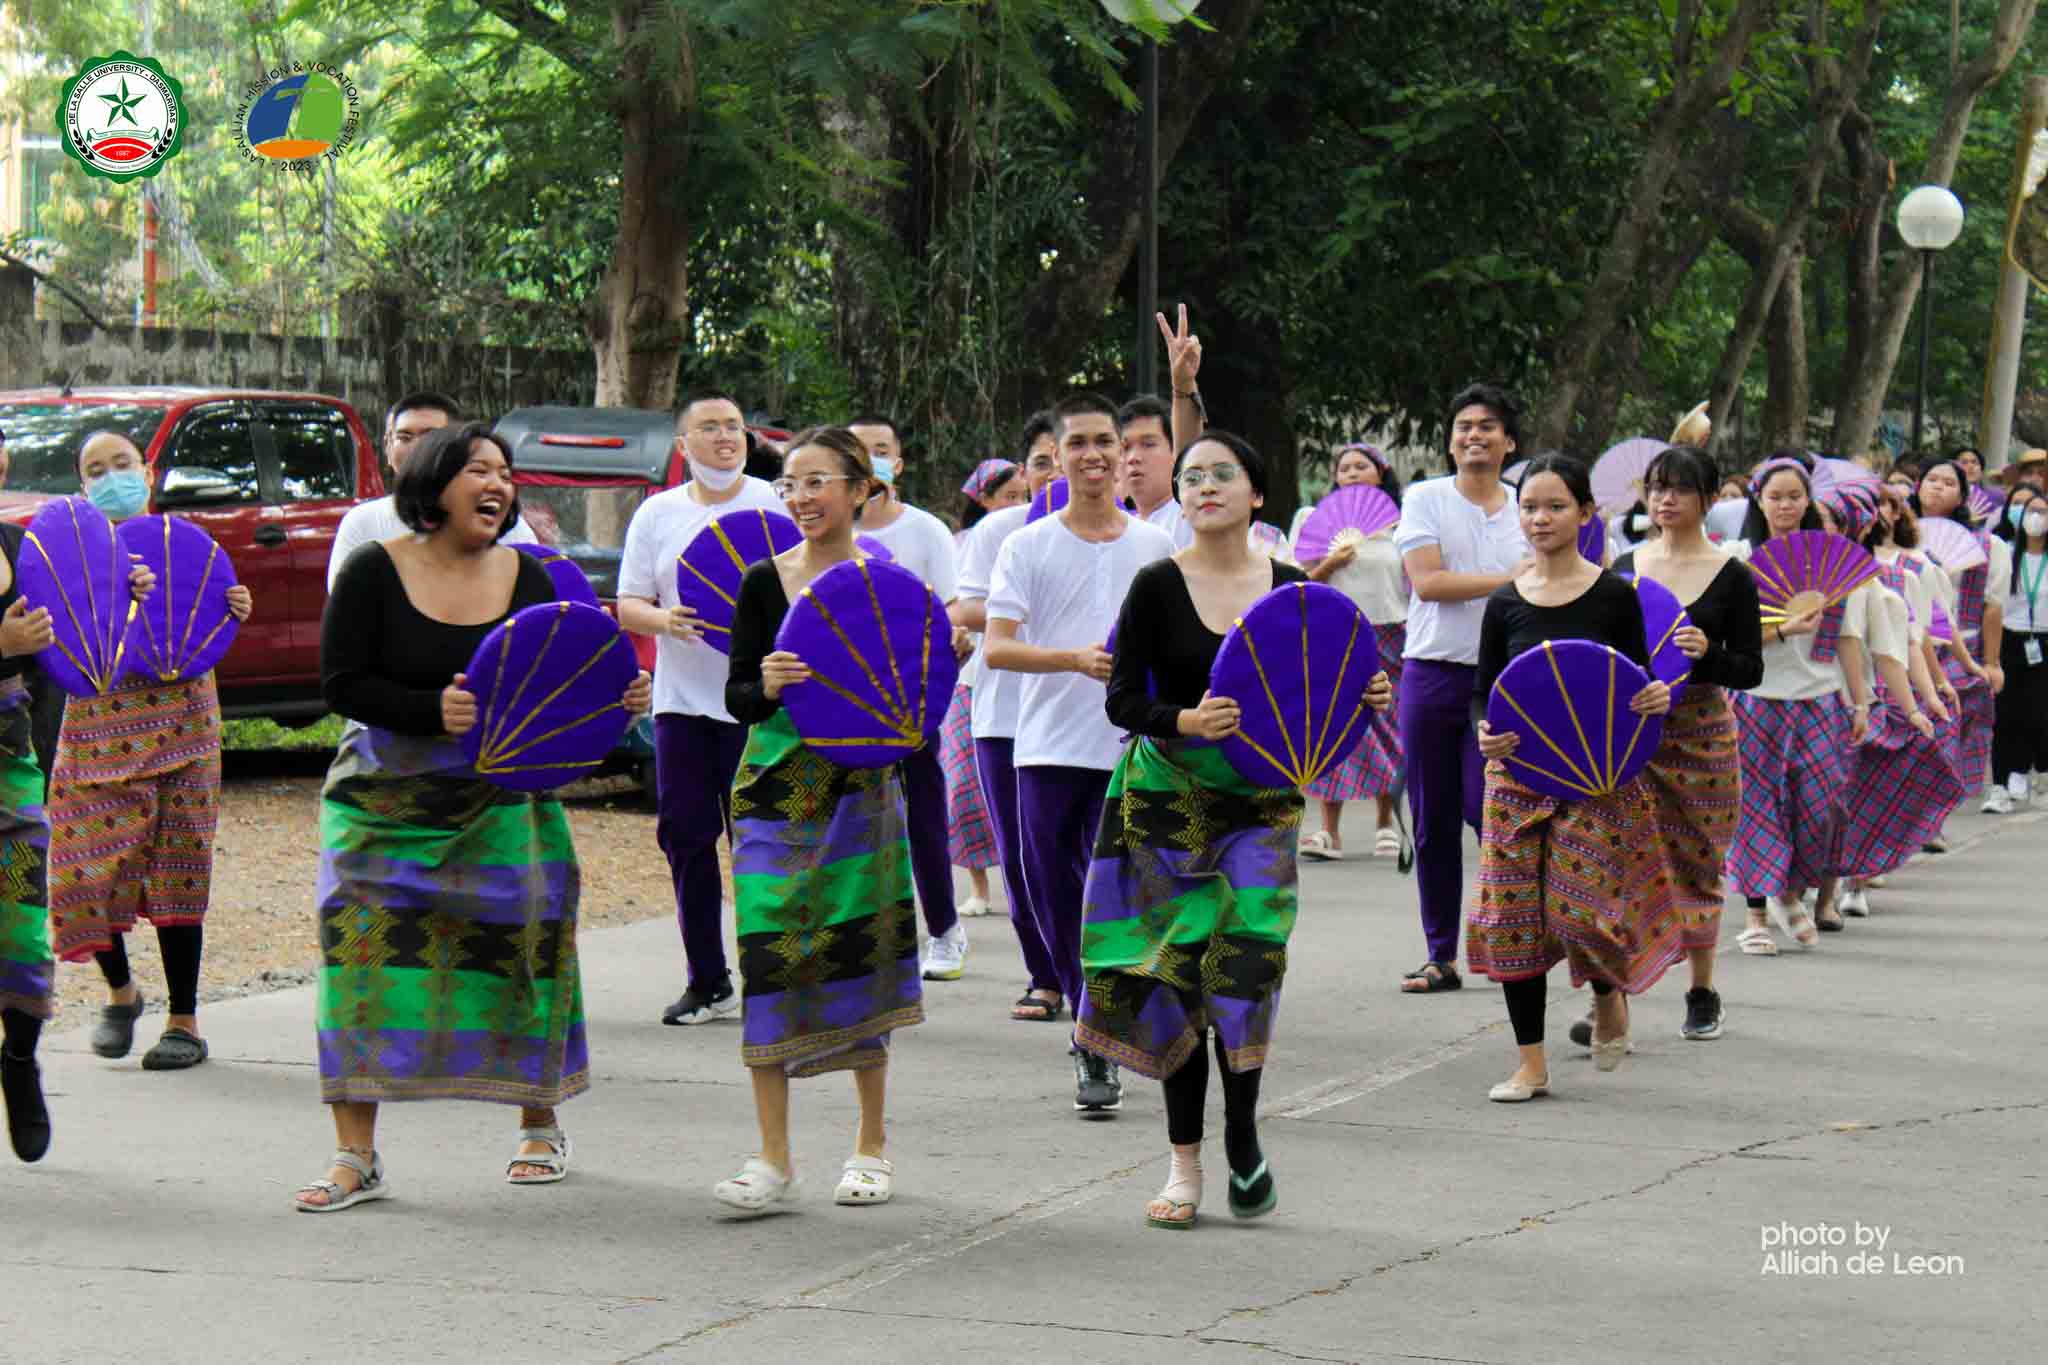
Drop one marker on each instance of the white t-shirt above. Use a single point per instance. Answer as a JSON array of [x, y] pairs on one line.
[[689, 679], [1168, 517], [1374, 579], [1997, 582], [370, 522], [2032, 571], [1434, 512], [996, 690], [922, 544], [1065, 592]]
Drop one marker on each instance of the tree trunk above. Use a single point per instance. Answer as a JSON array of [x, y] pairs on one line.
[[1834, 87], [1693, 95], [1791, 392], [1862, 402], [639, 318]]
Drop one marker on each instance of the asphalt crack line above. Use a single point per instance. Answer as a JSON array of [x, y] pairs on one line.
[[1750, 1150]]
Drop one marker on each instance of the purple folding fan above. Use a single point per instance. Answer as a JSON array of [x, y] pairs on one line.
[[1568, 700], [1048, 500], [1831, 475], [72, 564], [880, 651], [571, 583], [1298, 664], [1807, 570], [550, 684], [1939, 625], [1985, 502], [184, 627], [1663, 618], [1593, 540], [870, 545], [1352, 513], [709, 570]]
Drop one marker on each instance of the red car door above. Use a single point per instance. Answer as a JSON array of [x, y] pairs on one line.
[[210, 473], [315, 458]]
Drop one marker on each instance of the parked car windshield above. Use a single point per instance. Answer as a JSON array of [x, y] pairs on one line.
[[43, 439], [586, 523]]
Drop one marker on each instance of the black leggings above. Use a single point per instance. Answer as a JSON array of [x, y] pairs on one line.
[[1187, 1091], [21, 1032], [1525, 1006], [180, 945], [2019, 741]]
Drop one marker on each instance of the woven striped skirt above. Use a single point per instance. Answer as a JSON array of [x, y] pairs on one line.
[[1979, 719], [822, 899], [1795, 771], [27, 971], [447, 909], [134, 799], [970, 838], [1373, 768], [1902, 786], [1695, 787], [1189, 903]]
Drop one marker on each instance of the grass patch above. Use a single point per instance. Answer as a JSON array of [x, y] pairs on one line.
[[259, 733]]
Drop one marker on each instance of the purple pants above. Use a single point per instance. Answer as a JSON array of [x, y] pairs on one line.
[[1446, 785], [1059, 811], [695, 758], [999, 790], [931, 851]]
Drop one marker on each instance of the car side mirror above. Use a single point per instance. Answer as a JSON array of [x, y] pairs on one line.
[[184, 486]]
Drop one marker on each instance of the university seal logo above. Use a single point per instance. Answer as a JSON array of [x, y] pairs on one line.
[[121, 117]]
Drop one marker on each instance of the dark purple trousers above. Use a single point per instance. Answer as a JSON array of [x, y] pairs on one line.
[[695, 758], [931, 854], [1059, 811], [1446, 787], [999, 790]]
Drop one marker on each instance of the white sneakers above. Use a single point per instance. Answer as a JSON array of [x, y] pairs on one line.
[[945, 957], [976, 907], [1997, 801]]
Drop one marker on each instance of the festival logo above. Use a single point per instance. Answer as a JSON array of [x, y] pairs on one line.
[[296, 113], [121, 117]]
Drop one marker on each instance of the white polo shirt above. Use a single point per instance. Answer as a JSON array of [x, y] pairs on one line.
[[922, 544], [689, 679], [996, 690], [1434, 512], [1065, 592], [1168, 517], [370, 522]]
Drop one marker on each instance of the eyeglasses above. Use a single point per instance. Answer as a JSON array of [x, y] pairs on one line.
[[811, 485], [1222, 475], [715, 428]]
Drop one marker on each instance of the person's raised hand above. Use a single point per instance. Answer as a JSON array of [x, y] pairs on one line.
[[240, 602], [1499, 744], [639, 694], [1183, 352], [782, 670]]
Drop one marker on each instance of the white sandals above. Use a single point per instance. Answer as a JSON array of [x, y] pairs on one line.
[[1756, 940], [757, 1188], [1317, 847], [1386, 844], [865, 1180], [373, 1186], [554, 1163]]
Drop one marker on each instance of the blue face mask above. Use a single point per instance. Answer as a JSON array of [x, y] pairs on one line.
[[120, 493], [2015, 514], [885, 468]]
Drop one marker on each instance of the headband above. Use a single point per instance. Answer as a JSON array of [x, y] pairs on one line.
[[1763, 476], [987, 475]]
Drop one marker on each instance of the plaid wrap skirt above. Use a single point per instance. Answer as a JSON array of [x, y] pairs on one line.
[[1695, 786], [1980, 716], [1902, 786], [1795, 771], [1373, 768], [970, 838]]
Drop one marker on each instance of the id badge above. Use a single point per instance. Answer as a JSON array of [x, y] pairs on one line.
[[2032, 650]]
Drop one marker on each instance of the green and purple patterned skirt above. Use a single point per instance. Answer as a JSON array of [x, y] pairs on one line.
[[821, 895], [28, 973], [1189, 904], [447, 932]]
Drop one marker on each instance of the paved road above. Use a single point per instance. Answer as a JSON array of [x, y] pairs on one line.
[[1891, 1084]]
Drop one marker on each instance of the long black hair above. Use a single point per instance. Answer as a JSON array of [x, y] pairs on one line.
[[1577, 477], [2014, 535], [1756, 528]]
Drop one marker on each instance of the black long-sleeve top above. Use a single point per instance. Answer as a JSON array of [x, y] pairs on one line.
[[382, 661], [1160, 636], [11, 536], [756, 616], [1727, 613], [1606, 613]]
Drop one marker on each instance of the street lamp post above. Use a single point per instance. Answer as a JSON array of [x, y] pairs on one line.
[[1930, 218], [1145, 358]]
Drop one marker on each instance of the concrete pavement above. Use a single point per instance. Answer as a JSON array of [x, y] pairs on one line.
[[1889, 1085]]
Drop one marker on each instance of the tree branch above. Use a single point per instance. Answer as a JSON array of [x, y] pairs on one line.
[[542, 29], [77, 299]]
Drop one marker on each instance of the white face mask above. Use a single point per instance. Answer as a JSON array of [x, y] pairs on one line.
[[885, 468], [2036, 523], [717, 480]]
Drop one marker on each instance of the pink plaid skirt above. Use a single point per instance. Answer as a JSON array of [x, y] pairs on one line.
[[1901, 788], [1980, 714], [970, 838], [1374, 766], [1795, 769]]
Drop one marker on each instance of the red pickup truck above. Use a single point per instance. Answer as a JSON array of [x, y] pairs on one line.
[[268, 475]]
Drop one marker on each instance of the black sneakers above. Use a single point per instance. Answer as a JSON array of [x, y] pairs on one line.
[[700, 1007], [1097, 1091], [1702, 1014]]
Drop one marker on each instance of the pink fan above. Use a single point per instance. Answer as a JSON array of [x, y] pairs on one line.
[[1353, 512], [1832, 475], [1951, 544], [1985, 502], [1807, 571], [1618, 474], [1513, 473]]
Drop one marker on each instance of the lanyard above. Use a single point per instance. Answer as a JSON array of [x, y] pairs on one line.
[[2033, 585]]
